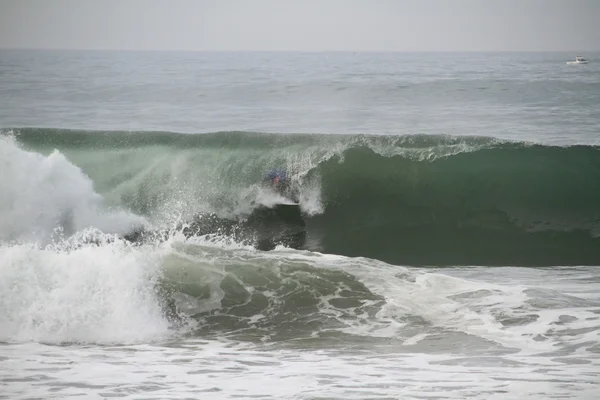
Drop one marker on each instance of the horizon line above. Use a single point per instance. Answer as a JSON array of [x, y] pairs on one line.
[[289, 51]]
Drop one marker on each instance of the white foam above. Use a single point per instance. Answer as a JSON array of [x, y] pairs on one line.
[[242, 371], [41, 193], [94, 294], [256, 195], [454, 304]]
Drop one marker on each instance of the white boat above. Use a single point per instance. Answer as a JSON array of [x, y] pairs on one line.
[[578, 60]]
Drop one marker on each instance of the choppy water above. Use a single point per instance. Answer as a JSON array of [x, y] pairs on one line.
[[478, 160], [521, 96]]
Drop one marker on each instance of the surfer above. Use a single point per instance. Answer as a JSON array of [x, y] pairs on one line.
[[266, 227], [280, 182]]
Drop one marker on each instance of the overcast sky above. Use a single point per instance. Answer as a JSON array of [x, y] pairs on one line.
[[302, 25]]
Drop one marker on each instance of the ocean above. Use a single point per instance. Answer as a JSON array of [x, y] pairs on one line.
[[448, 244]]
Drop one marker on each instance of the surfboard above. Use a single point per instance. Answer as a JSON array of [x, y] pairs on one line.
[[285, 203]]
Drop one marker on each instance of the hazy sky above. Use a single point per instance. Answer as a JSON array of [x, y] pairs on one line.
[[302, 25]]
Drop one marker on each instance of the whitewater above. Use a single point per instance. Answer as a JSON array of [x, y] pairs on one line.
[[452, 226]]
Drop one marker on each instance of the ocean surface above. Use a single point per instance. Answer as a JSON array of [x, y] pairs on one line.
[[451, 211]]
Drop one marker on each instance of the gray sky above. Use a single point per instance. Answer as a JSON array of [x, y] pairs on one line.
[[302, 25]]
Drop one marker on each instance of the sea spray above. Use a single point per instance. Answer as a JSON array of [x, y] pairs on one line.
[[104, 293], [39, 194]]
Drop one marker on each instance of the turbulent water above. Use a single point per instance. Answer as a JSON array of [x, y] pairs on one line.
[[452, 226]]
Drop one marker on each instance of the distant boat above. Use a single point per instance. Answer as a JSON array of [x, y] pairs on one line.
[[578, 60]]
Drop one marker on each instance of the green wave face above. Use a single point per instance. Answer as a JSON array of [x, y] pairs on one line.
[[412, 200]]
